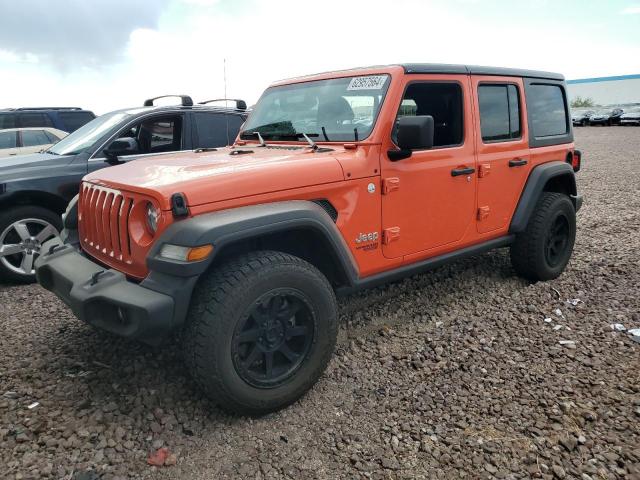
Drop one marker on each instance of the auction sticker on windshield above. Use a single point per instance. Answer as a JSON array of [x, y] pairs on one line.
[[372, 82]]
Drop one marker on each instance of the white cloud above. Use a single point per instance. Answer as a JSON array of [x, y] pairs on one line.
[[633, 10]]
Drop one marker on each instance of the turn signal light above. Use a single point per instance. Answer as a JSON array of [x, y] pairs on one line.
[[185, 254]]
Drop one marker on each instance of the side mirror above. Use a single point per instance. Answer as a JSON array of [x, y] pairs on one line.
[[413, 133], [121, 146]]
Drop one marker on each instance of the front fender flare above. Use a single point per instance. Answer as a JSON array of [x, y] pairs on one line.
[[226, 227]]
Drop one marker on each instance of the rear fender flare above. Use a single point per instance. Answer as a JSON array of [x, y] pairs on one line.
[[536, 183]]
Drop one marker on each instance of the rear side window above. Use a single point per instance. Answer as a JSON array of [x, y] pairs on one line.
[[443, 101], [7, 140], [235, 123], [33, 138], [212, 129], [74, 120], [499, 112], [7, 120], [547, 110], [34, 119]]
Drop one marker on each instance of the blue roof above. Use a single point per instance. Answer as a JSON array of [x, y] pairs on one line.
[[605, 79]]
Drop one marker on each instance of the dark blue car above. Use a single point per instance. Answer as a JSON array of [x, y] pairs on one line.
[[67, 119]]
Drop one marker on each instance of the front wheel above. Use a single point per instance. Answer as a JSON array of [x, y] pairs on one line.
[[543, 250], [260, 331], [23, 230]]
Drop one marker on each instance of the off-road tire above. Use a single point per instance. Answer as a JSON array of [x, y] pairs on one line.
[[528, 252], [223, 298], [15, 214]]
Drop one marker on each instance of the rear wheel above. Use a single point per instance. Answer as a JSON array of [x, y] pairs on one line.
[[23, 230], [543, 250], [260, 331]]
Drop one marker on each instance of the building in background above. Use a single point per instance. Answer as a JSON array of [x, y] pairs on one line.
[[621, 90]]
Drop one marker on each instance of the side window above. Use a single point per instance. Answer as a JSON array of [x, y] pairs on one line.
[[74, 120], [8, 140], [7, 120], [499, 112], [34, 119], [33, 138], [212, 129], [443, 101], [547, 110], [235, 123], [160, 135]]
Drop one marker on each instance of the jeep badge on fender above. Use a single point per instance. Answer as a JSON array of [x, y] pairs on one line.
[[247, 272]]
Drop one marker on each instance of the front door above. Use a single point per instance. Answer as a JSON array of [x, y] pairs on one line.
[[428, 200], [503, 150]]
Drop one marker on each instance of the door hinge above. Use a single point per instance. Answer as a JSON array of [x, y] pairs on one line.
[[484, 170], [483, 212], [390, 234], [390, 184]]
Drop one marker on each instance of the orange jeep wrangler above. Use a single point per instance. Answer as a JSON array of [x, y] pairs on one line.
[[336, 182]]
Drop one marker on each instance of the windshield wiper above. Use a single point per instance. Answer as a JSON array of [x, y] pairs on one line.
[[49, 151], [256, 133]]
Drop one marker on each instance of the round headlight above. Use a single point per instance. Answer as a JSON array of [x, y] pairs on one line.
[[153, 214]]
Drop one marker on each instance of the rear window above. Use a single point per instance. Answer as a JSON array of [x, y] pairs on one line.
[[33, 138], [74, 120], [34, 119], [547, 110], [7, 120], [216, 129], [7, 140]]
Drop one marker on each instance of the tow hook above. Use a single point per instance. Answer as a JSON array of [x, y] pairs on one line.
[[95, 277]]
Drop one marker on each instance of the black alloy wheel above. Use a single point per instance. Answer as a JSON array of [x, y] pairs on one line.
[[274, 338]]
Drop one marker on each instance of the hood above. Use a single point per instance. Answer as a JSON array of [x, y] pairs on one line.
[[207, 177], [29, 165]]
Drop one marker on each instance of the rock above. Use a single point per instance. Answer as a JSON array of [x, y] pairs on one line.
[[569, 442], [558, 471]]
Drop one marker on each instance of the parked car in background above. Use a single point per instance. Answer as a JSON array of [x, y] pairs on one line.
[[606, 117], [35, 189], [631, 117], [22, 141], [581, 117], [67, 119]]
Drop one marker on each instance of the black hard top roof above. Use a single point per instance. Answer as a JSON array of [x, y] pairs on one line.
[[478, 70]]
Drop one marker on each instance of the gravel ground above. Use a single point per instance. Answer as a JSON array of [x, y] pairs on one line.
[[454, 373]]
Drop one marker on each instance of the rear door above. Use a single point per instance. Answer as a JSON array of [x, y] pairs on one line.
[[503, 149], [214, 130], [9, 144]]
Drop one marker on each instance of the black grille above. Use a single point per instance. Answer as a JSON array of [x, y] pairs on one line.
[[327, 207]]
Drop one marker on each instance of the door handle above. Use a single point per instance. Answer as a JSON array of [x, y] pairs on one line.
[[517, 162], [462, 171]]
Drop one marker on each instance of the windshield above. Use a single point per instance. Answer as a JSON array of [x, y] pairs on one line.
[[85, 137], [340, 109]]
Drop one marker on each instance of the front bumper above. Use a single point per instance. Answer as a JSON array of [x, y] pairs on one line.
[[104, 298]]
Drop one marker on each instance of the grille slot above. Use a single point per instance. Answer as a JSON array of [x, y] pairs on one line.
[[104, 220]]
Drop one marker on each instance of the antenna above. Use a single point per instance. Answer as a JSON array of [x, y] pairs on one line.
[[226, 115]]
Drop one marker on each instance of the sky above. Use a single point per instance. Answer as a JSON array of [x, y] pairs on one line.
[[108, 54]]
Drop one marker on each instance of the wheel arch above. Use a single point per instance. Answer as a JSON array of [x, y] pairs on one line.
[[34, 198], [556, 176]]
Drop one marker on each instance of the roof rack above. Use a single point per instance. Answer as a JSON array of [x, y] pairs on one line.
[[240, 104], [47, 108], [185, 100]]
